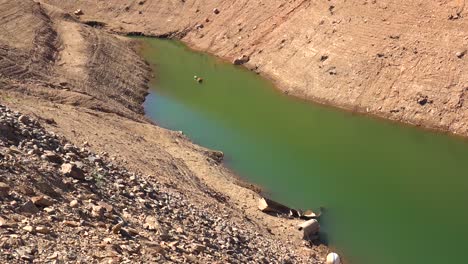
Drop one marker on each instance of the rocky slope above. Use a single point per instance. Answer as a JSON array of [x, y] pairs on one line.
[[86, 178], [404, 61], [62, 203]]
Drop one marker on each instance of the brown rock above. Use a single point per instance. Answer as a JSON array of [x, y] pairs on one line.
[[151, 223], [4, 189], [29, 229], [42, 200], [460, 54], [198, 248], [74, 203], [71, 170], [52, 157], [78, 12], [42, 230], [71, 223], [97, 211], [6, 223], [241, 60], [24, 119], [106, 206], [116, 228]]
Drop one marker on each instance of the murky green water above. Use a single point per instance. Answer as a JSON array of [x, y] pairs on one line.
[[394, 194]]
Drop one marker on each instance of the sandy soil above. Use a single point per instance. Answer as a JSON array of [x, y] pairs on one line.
[[404, 61]]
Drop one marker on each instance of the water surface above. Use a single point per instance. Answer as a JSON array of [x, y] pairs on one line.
[[394, 194]]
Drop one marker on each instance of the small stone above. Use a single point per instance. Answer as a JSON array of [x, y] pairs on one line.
[[216, 11], [42, 200], [26, 253], [241, 60], [42, 230], [460, 54], [4, 189], [6, 224], [49, 210], [132, 232], [97, 211], [333, 258], [78, 12], [198, 248], [74, 204], [106, 206], [71, 170], [24, 119], [28, 229], [116, 228], [52, 157], [71, 223], [151, 223]]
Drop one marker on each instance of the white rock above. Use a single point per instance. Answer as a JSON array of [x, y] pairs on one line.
[[333, 258]]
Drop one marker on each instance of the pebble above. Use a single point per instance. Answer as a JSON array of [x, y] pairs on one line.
[[28, 229], [74, 204], [42, 230]]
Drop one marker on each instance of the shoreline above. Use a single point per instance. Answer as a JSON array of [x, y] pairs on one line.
[[277, 86]]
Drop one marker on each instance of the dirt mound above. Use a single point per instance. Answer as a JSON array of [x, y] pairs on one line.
[[403, 61]]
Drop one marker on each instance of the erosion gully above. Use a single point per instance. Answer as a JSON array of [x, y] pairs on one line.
[[393, 194]]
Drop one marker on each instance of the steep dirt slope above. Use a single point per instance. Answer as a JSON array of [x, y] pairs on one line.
[[402, 60], [46, 47]]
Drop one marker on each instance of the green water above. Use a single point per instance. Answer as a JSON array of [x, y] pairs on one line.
[[394, 194]]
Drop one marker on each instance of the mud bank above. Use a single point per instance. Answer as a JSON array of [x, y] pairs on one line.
[[404, 62]]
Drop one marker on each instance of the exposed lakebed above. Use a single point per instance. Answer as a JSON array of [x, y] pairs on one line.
[[394, 194]]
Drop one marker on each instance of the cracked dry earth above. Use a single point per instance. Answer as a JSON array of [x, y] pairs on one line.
[[61, 203]]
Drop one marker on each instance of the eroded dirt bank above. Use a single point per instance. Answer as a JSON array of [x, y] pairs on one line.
[[144, 194], [404, 61]]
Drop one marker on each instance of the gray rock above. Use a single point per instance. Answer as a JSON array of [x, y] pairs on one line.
[[29, 208]]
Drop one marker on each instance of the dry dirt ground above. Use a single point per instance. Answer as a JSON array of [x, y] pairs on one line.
[[401, 60], [88, 86]]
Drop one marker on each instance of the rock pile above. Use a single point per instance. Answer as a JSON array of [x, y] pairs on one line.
[[62, 203]]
